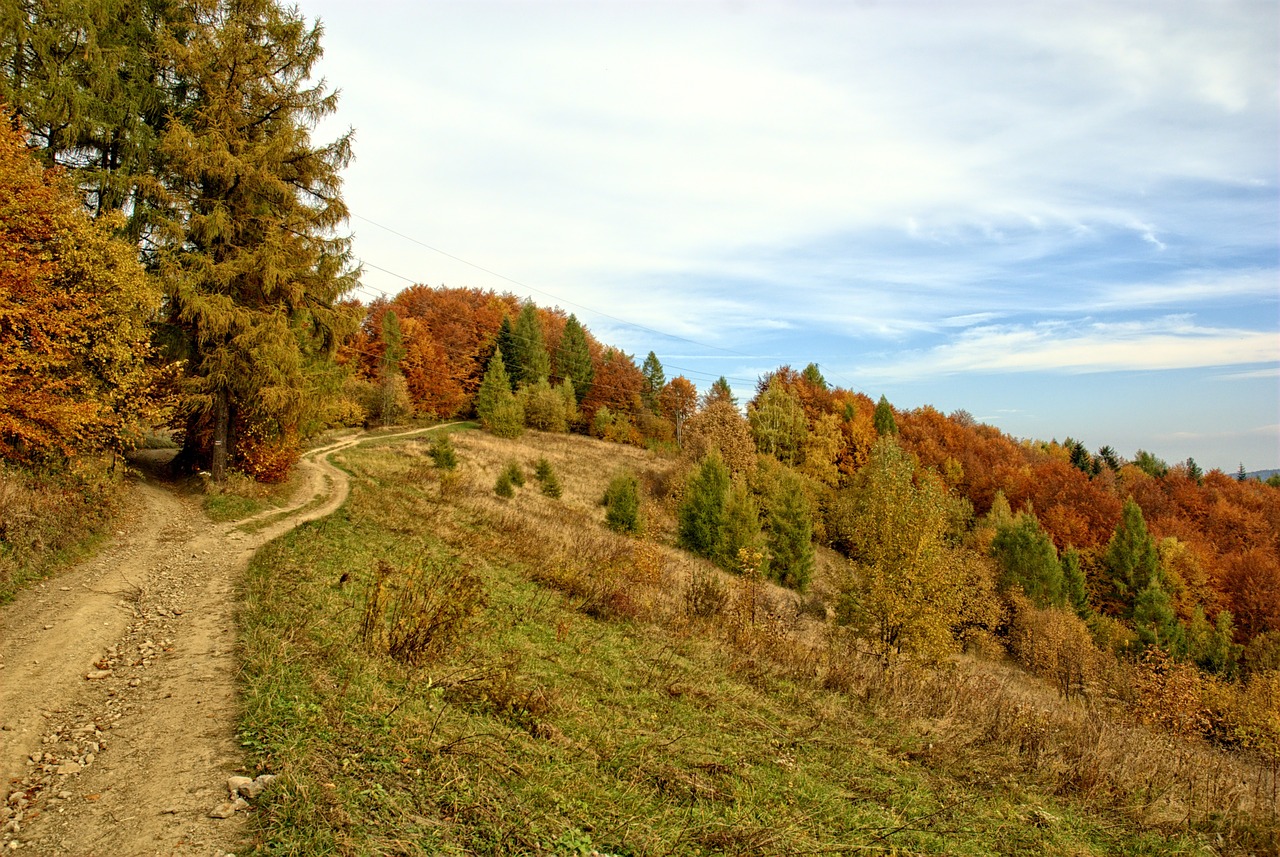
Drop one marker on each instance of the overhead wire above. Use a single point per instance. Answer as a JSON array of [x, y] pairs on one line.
[[708, 375]]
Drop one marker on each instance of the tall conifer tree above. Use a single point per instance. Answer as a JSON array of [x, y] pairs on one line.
[[251, 262], [572, 360]]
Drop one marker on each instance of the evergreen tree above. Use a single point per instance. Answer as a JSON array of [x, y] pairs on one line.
[[813, 376], [1154, 621], [741, 526], [789, 531], [622, 503], [701, 515], [654, 381], [1027, 559], [1131, 558], [719, 391], [505, 344], [1073, 584], [496, 406], [92, 84], [883, 419], [252, 266], [573, 358], [533, 364]]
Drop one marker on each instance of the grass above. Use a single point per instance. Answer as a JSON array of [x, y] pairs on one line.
[[51, 518], [580, 709]]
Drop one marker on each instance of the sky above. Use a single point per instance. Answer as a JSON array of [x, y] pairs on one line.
[[1062, 218]]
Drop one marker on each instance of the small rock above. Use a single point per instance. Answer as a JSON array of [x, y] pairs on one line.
[[228, 809], [68, 768], [238, 785], [99, 674]]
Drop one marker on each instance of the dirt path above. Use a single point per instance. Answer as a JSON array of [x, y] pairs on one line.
[[118, 695]]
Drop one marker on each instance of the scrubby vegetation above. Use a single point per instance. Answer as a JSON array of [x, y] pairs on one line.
[[622, 695]]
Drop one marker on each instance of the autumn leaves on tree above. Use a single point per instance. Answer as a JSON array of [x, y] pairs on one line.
[[195, 118]]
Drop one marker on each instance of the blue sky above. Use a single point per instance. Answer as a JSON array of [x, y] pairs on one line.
[[1061, 217]]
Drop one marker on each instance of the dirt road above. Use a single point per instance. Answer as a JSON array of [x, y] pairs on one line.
[[118, 696]]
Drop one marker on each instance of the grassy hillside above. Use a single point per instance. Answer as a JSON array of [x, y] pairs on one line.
[[556, 691]]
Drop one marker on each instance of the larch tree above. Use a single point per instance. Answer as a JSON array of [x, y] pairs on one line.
[[87, 80], [251, 260]]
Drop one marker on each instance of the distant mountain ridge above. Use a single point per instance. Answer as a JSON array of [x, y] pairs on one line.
[[1261, 475]]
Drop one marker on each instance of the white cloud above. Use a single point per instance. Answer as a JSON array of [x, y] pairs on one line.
[[1168, 343]]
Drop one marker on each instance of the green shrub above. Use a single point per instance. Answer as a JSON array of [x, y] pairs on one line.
[[443, 453], [515, 473], [547, 478], [622, 500], [504, 486]]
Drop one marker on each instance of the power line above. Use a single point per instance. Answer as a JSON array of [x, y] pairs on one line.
[[557, 298]]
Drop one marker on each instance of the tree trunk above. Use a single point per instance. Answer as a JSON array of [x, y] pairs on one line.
[[221, 421]]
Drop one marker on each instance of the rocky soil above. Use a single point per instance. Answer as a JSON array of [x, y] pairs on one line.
[[118, 697]]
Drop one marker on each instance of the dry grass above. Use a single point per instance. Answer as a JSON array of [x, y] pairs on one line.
[[976, 715], [750, 726]]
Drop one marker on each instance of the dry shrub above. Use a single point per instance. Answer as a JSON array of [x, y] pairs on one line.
[[612, 576], [705, 593], [416, 615], [1055, 645]]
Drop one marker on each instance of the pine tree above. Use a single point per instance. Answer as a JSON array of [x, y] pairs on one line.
[[252, 266], [505, 344], [789, 531], [534, 364], [701, 515], [573, 358], [883, 419], [496, 406], [1131, 558], [654, 381]]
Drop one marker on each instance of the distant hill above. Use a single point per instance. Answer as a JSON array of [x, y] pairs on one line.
[[1261, 475]]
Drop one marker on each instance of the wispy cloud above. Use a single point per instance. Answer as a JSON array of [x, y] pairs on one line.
[[1173, 342]]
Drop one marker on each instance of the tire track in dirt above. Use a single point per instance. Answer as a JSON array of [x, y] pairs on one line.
[[118, 697]]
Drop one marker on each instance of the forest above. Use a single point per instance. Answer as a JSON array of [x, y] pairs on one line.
[[172, 261]]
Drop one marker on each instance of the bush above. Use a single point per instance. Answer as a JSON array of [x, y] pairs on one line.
[[515, 473], [705, 595], [622, 500], [443, 453], [547, 478], [503, 487], [417, 614]]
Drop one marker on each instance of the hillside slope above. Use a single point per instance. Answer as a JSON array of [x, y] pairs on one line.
[[436, 670]]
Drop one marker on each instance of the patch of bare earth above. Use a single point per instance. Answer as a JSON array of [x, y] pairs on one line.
[[118, 696]]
